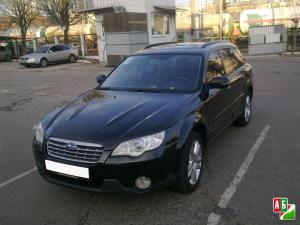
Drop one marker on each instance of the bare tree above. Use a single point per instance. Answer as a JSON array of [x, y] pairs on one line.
[[20, 12], [63, 12]]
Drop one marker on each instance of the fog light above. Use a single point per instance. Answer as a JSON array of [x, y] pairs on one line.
[[143, 182]]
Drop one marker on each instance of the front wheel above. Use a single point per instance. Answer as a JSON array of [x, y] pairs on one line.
[[43, 63], [244, 118], [191, 165], [72, 59]]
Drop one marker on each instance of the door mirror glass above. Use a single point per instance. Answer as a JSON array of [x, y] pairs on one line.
[[219, 82], [100, 78]]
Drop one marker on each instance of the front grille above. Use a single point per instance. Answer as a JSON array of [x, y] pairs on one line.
[[24, 58], [74, 150]]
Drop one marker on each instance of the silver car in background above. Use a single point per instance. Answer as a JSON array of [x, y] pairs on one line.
[[47, 54]]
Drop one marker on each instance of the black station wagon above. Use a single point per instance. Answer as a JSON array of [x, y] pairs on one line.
[[147, 124]]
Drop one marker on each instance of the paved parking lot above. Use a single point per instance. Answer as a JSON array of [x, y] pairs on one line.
[[267, 162]]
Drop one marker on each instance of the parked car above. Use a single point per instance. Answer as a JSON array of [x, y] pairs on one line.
[[5, 54], [149, 121], [47, 54]]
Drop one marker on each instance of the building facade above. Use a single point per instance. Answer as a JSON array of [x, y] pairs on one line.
[[124, 26]]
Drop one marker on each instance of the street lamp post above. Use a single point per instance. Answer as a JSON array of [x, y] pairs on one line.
[[221, 19]]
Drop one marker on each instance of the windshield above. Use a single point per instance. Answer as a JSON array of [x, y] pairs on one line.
[[42, 49], [166, 73]]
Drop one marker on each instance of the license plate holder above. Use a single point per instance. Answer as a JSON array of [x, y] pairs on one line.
[[67, 169]]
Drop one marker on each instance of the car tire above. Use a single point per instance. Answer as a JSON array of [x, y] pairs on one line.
[[43, 62], [72, 59], [8, 58], [245, 117], [191, 165]]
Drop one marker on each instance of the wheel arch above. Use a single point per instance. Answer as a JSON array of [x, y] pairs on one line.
[[250, 90], [192, 125]]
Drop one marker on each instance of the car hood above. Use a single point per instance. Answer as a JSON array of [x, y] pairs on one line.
[[110, 117]]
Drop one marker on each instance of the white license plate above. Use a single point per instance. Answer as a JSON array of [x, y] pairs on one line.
[[67, 169]]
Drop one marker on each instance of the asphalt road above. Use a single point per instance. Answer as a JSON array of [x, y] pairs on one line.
[[26, 199]]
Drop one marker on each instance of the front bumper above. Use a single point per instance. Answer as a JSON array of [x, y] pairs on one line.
[[25, 63], [106, 177]]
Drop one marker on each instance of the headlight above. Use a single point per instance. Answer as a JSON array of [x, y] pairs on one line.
[[138, 146], [31, 60], [39, 133]]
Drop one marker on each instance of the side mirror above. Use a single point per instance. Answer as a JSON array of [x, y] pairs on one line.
[[100, 78], [50, 51], [219, 82]]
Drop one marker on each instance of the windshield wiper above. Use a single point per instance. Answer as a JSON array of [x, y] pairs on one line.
[[109, 89], [146, 90]]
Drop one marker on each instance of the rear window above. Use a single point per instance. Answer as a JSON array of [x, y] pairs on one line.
[[230, 61]]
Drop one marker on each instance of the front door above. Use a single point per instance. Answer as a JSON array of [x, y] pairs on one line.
[[216, 100], [235, 71]]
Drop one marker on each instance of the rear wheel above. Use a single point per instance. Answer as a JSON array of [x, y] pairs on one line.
[[244, 118], [72, 59], [43, 62], [191, 165], [8, 58]]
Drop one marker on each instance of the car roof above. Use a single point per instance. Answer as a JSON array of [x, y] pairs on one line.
[[51, 45], [185, 48]]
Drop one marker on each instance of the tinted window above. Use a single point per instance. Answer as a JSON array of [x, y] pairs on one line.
[[214, 66], [64, 47], [239, 56], [229, 60], [2, 49], [42, 49], [157, 73], [56, 48]]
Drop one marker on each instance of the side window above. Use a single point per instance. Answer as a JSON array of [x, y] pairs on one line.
[[2, 49], [56, 48], [214, 66], [64, 47], [229, 60], [52, 49], [239, 56]]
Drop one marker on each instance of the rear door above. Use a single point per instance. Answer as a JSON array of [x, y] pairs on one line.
[[234, 69], [65, 52], [217, 102]]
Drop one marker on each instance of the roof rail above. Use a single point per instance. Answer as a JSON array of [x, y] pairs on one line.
[[158, 44], [206, 44]]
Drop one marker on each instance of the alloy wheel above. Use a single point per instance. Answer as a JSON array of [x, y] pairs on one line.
[[44, 63], [195, 162], [247, 108]]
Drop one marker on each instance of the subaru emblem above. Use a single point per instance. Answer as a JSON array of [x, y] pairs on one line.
[[71, 147]]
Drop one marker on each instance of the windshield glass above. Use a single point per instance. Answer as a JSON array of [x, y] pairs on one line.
[[164, 73], [42, 49]]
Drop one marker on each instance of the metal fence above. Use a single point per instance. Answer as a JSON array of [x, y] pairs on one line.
[[267, 39], [293, 44]]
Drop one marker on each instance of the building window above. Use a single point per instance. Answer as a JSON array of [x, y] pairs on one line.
[[160, 25]]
